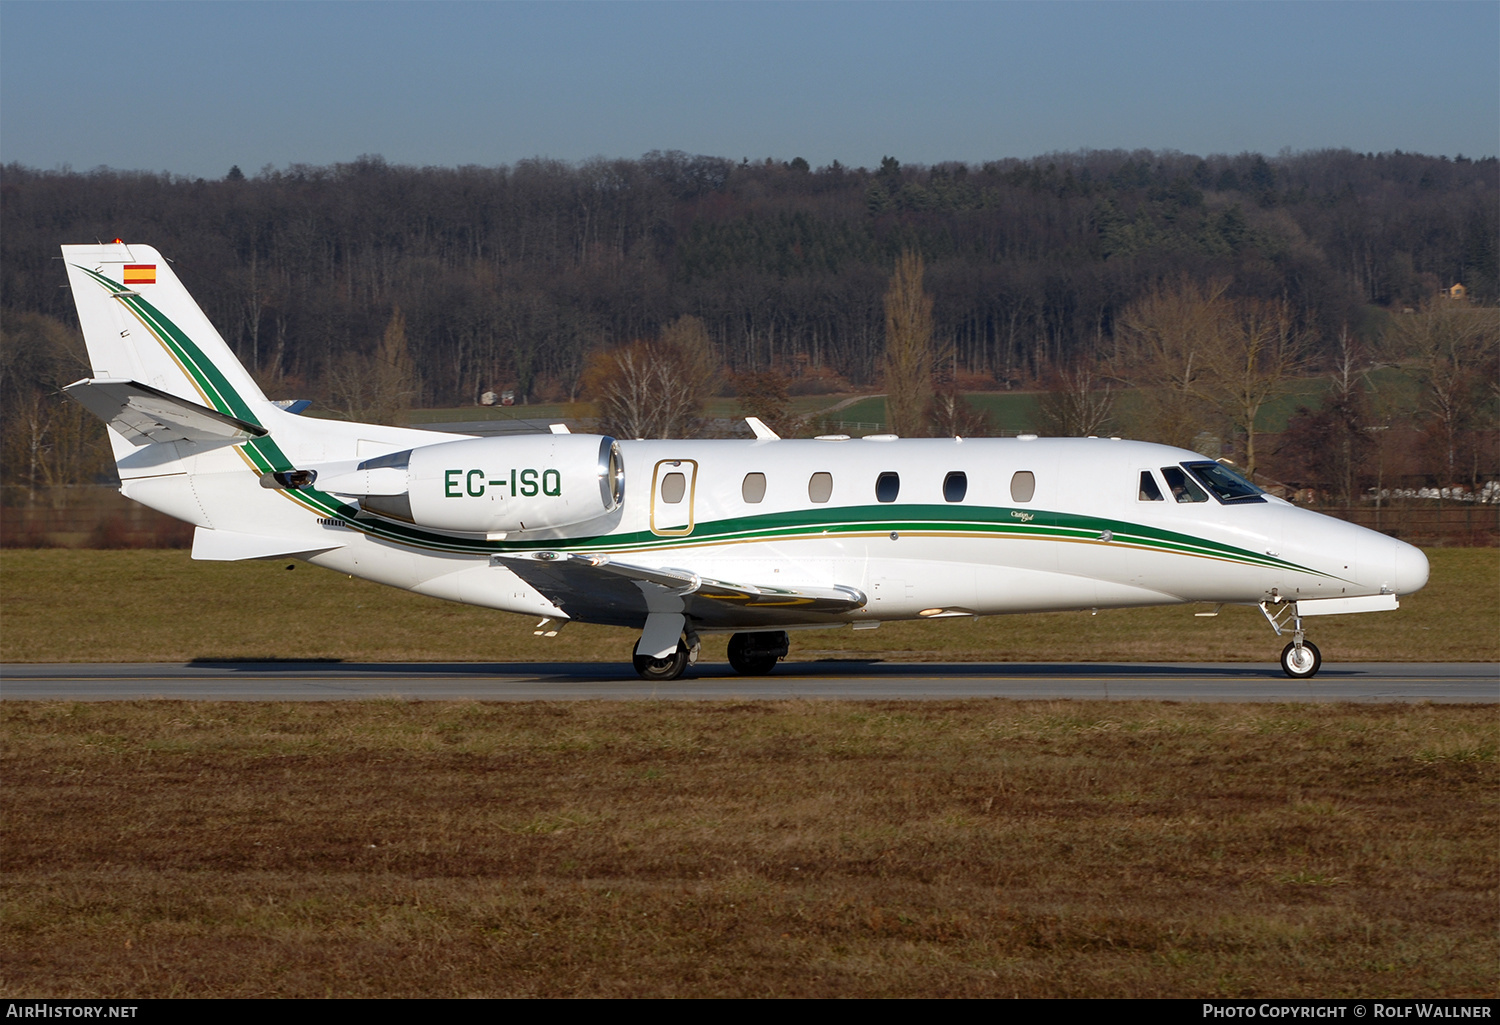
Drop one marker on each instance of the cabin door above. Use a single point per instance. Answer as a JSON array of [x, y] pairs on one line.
[[673, 488]]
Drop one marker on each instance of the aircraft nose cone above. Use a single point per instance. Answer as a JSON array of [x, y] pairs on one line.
[[1411, 568]]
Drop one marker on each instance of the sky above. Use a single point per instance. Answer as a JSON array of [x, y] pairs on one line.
[[193, 88]]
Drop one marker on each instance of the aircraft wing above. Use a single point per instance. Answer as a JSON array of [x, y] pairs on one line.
[[603, 589], [145, 414]]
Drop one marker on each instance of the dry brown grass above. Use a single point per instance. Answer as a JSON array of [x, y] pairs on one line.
[[801, 849], [160, 606]]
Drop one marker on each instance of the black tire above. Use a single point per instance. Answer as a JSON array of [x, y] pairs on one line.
[[756, 654], [1307, 668], [662, 669]]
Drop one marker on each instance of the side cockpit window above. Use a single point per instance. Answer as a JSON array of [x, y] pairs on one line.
[[1227, 486], [1150, 492], [1182, 486]]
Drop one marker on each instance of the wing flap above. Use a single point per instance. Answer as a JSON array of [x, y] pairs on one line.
[[145, 414], [600, 582]]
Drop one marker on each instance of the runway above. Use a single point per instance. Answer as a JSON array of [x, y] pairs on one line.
[[1471, 682]]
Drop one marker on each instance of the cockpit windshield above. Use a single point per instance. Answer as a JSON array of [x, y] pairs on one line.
[[1226, 485]]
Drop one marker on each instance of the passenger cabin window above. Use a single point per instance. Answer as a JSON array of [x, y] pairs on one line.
[[1182, 487], [887, 486], [820, 487], [1022, 486], [754, 488], [673, 487], [1149, 491], [955, 486]]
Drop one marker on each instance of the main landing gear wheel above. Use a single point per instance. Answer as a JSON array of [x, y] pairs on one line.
[[662, 669], [756, 654], [1301, 663]]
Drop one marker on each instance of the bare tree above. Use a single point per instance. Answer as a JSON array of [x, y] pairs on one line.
[[1261, 349], [45, 438], [1330, 445], [908, 347], [1080, 402], [1203, 358], [378, 389], [1164, 338], [1453, 349], [763, 394], [653, 389]]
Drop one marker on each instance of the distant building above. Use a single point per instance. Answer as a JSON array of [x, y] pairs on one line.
[[1457, 292]]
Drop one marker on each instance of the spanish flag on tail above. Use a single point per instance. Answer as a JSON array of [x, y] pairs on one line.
[[140, 274]]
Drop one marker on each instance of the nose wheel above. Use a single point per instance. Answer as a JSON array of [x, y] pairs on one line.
[[1300, 661]]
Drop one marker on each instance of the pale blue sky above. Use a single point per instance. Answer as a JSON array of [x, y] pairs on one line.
[[192, 88]]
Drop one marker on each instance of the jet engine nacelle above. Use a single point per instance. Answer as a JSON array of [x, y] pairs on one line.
[[493, 485]]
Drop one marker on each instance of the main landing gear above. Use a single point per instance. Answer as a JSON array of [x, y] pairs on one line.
[[663, 669], [756, 654], [1301, 658], [751, 654]]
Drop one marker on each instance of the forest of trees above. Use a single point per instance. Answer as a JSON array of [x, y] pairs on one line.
[[519, 277]]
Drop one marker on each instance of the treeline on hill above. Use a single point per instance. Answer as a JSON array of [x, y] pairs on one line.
[[512, 277]]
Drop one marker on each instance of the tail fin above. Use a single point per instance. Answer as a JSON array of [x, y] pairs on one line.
[[141, 325], [192, 433]]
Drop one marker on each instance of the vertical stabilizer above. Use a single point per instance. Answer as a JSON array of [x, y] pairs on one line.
[[140, 324], [193, 435]]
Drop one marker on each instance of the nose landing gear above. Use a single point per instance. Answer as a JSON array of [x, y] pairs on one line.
[[1300, 659]]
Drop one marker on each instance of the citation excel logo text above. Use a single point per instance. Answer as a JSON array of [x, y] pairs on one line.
[[522, 483]]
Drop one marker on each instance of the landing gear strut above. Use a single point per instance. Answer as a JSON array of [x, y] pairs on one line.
[[1300, 659], [756, 654]]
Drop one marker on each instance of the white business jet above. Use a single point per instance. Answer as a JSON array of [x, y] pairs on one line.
[[682, 538]]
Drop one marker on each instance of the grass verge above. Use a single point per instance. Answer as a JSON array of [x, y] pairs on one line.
[[979, 848]]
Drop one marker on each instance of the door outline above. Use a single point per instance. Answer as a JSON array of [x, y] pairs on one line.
[[667, 511]]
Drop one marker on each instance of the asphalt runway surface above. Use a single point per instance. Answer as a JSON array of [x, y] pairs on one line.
[[1465, 682]]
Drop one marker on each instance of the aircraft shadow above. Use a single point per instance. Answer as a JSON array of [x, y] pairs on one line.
[[831, 669]]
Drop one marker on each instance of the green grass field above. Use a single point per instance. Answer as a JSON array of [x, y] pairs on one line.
[[59, 605]]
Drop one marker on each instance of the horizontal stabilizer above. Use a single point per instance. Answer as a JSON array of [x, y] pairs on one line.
[[144, 414], [231, 546], [633, 590]]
